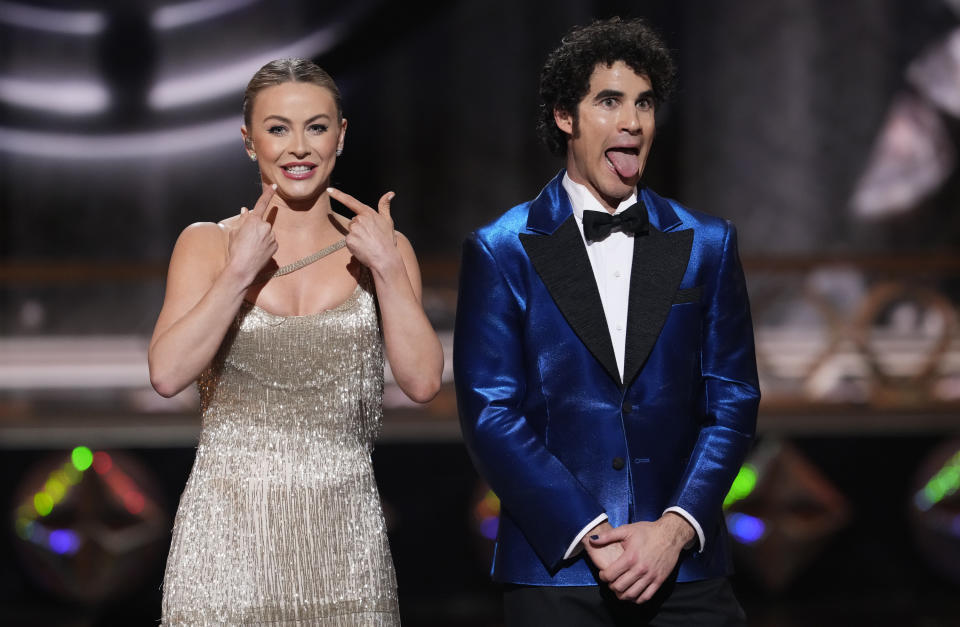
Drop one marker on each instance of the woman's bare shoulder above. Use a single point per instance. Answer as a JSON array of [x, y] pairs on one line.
[[207, 239]]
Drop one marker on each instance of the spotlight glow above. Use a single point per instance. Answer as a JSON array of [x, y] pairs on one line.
[[42, 503], [102, 462], [184, 13], [64, 541], [746, 529], [52, 20], [944, 483], [487, 514], [62, 146], [61, 97], [489, 527], [55, 489], [742, 486], [81, 457], [230, 79]]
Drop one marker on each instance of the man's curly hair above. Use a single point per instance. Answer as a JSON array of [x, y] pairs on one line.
[[565, 78]]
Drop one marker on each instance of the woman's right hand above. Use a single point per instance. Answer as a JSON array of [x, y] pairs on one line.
[[251, 241]]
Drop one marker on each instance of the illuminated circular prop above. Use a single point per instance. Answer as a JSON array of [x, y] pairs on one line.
[[89, 524], [935, 509]]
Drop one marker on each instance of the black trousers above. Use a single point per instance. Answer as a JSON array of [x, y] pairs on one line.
[[708, 603]]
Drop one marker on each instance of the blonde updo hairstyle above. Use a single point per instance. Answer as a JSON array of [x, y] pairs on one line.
[[282, 71]]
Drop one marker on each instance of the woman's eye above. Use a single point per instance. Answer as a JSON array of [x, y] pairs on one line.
[[318, 128], [276, 130]]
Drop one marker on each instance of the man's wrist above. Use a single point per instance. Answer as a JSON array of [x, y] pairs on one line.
[[682, 532]]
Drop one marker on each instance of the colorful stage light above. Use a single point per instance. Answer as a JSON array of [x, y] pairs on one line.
[[102, 462], [743, 485], [941, 485], [64, 541], [934, 509], [746, 528], [89, 536], [81, 457], [43, 503], [780, 512]]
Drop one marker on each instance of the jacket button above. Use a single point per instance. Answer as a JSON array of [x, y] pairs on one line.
[[618, 463], [627, 407]]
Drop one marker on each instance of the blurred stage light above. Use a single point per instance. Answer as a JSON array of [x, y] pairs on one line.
[[485, 521], [745, 528], [60, 97], [935, 74], [82, 458], [52, 20], [89, 536], [160, 143], [486, 515], [935, 509], [225, 80], [184, 13], [941, 485], [781, 512], [743, 485], [912, 158]]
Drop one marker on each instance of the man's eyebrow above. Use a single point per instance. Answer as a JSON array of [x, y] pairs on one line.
[[287, 121], [608, 93]]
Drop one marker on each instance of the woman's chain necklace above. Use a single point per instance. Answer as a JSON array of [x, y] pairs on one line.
[[306, 261]]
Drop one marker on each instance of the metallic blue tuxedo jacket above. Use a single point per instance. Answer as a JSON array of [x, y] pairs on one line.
[[542, 407]]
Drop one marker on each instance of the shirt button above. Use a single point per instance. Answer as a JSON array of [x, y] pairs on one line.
[[619, 327], [616, 273], [618, 463]]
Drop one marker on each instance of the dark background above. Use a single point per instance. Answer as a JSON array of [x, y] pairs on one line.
[[780, 109]]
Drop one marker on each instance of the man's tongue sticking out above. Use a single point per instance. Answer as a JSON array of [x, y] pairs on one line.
[[626, 163]]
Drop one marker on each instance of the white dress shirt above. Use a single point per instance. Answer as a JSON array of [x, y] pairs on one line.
[[611, 259]]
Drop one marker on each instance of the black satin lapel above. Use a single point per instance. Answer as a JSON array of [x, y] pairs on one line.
[[659, 262], [562, 263]]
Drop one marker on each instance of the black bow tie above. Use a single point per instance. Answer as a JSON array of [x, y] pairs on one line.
[[598, 224]]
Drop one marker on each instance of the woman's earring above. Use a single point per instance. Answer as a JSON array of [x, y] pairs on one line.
[[253, 156], [339, 151]]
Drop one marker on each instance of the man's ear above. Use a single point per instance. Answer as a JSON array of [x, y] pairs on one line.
[[564, 121]]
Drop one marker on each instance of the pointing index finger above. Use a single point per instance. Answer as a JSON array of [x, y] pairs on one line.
[[349, 201]]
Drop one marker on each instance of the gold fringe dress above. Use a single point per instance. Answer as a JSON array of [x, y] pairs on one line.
[[280, 522]]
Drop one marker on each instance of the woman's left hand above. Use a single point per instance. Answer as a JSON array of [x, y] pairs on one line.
[[412, 346], [371, 238]]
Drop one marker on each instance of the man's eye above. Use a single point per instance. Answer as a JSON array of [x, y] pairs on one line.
[[645, 104], [608, 102]]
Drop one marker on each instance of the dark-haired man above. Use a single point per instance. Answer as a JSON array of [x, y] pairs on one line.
[[604, 363]]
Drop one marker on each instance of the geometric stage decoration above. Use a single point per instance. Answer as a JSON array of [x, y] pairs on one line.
[[89, 525], [781, 512], [935, 509]]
